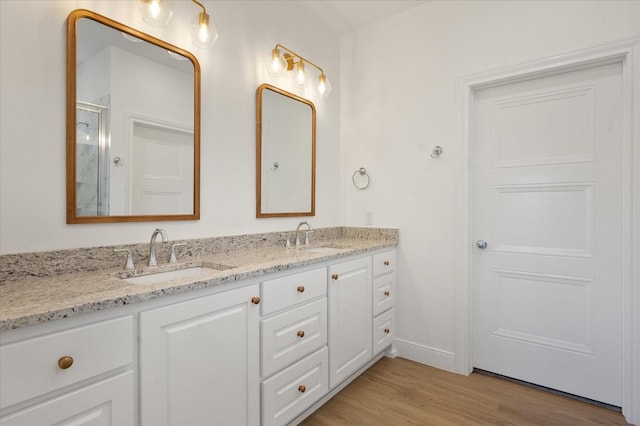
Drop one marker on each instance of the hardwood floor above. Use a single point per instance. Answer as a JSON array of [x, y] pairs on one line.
[[402, 392]]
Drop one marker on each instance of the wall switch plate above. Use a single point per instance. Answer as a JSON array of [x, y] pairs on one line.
[[368, 218]]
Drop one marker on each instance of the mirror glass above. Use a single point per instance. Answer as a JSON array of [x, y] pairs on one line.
[[133, 125], [285, 154]]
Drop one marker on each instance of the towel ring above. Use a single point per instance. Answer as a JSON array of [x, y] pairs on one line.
[[362, 172]]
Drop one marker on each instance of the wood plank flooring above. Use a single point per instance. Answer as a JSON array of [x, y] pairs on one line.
[[402, 392]]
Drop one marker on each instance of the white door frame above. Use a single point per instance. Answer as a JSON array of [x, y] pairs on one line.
[[627, 53]]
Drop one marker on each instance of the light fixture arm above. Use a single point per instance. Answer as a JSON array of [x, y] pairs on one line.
[[296, 56], [201, 5]]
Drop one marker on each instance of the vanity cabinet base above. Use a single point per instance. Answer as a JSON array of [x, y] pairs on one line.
[[206, 358]]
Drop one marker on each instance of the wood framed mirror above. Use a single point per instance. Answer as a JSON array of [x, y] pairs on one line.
[[133, 125], [285, 154]]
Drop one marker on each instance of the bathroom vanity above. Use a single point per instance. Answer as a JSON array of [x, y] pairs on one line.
[[265, 341]]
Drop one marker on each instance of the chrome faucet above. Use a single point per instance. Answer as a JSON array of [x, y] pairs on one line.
[[152, 249], [306, 237]]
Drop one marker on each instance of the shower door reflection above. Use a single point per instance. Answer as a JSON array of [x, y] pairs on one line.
[[92, 160]]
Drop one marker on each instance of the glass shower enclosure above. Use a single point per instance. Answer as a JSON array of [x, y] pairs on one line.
[[92, 160]]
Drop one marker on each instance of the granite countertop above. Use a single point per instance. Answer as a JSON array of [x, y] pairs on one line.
[[32, 300]]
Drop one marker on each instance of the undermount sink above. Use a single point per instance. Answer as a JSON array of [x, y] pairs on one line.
[[160, 277]]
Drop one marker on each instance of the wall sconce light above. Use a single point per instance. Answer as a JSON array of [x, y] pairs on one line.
[[278, 63], [204, 34], [158, 14]]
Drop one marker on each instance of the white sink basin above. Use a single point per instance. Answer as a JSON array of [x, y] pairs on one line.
[[160, 277]]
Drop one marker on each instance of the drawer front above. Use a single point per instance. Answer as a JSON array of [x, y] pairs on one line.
[[384, 293], [292, 335], [384, 262], [293, 289], [109, 402], [31, 367], [290, 392], [383, 331]]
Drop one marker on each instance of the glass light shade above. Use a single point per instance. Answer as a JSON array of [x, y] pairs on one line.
[[324, 86], [276, 64], [156, 12], [203, 33], [300, 76]]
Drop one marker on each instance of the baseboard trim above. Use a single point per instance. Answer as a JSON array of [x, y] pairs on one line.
[[423, 354]]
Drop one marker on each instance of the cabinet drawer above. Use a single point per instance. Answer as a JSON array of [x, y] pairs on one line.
[[384, 262], [109, 402], [31, 367], [292, 335], [290, 392], [293, 289], [383, 331], [384, 293]]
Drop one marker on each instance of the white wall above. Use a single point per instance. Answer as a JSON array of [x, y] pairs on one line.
[[32, 114], [398, 101]]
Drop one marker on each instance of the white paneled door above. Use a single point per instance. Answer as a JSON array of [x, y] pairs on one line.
[[162, 170], [547, 208]]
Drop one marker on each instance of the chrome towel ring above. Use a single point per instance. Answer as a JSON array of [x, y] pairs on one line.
[[361, 178]]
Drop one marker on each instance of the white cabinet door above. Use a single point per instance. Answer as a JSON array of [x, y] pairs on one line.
[[106, 403], [199, 361], [349, 318]]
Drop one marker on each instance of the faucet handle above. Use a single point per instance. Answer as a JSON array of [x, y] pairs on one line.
[[306, 236], [129, 265], [287, 242], [172, 256]]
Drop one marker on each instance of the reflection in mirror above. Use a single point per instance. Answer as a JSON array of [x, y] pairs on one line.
[[285, 154], [133, 117], [92, 160]]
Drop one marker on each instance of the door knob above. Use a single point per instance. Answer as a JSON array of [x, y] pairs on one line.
[[482, 244]]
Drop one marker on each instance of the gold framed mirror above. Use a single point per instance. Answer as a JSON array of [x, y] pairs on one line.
[[133, 125], [285, 154]]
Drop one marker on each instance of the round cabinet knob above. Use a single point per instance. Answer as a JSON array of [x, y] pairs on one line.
[[387, 331], [65, 362], [386, 263], [302, 388], [334, 276], [255, 300], [301, 289], [301, 333], [482, 244], [386, 293]]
